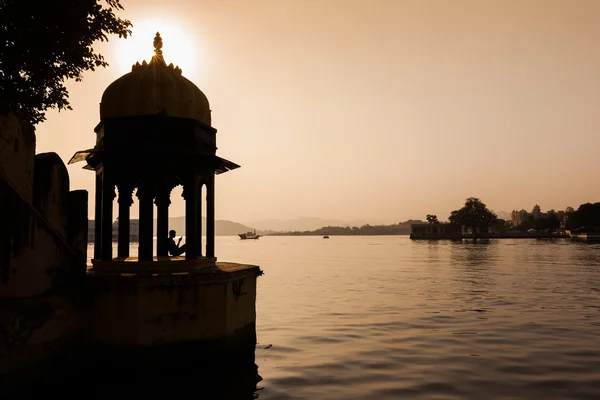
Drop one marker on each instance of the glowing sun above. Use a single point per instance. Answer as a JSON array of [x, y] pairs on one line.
[[177, 48]]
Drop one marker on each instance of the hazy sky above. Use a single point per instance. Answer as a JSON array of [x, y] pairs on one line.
[[385, 110]]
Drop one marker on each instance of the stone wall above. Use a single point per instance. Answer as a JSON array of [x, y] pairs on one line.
[[43, 237], [17, 150], [15, 234], [43, 245], [51, 190]]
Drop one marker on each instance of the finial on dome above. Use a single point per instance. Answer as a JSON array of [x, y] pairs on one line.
[[158, 43], [158, 56]]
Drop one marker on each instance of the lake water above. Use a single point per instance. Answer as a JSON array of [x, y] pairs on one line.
[[390, 318]]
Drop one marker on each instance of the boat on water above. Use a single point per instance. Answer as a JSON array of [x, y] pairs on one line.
[[326, 237], [249, 235]]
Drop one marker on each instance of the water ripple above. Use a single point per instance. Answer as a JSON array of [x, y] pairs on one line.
[[389, 318]]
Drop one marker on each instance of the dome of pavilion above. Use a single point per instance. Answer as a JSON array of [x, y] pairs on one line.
[[155, 88]]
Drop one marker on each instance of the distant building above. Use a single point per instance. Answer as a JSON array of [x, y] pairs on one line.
[[518, 217], [435, 231]]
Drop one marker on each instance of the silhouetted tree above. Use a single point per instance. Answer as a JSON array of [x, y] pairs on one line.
[[500, 226], [43, 43], [528, 224], [586, 216], [553, 222], [432, 219], [474, 216]]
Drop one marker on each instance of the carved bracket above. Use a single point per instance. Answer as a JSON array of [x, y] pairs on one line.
[[163, 198], [189, 186], [164, 188], [125, 193], [112, 193], [146, 189]]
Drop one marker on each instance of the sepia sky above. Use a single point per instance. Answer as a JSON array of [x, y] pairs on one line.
[[376, 109]]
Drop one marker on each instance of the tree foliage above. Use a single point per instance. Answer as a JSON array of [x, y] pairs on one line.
[[529, 223], [586, 216], [500, 226], [432, 219], [551, 223], [474, 216], [44, 43]]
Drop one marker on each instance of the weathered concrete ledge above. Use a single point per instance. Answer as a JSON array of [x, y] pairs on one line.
[[205, 304]]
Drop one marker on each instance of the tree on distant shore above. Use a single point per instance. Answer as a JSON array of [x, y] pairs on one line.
[[474, 216], [550, 223], [586, 216], [43, 43], [500, 226], [432, 219], [529, 223]]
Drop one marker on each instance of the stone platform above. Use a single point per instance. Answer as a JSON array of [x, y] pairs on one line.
[[207, 306], [159, 265]]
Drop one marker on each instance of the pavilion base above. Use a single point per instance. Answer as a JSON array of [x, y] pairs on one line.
[[206, 305]]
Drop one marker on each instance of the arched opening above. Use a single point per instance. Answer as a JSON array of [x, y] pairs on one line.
[[176, 219]]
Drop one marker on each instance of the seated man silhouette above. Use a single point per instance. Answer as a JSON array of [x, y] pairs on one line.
[[175, 249]]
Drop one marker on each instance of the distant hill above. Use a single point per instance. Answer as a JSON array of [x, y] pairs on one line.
[[275, 226], [222, 227], [300, 224], [402, 228], [504, 215]]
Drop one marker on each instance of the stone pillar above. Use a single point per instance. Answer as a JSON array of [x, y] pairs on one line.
[[199, 219], [125, 202], [98, 218], [190, 194], [145, 195], [163, 200], [77, 229], [108, 195], [210, 216]]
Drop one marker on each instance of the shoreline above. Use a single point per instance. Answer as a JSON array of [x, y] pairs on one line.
[[461, 237]]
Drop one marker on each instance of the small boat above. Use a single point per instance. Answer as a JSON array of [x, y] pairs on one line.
[[249, 235], [326, 237]]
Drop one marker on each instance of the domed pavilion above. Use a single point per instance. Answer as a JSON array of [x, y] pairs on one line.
[[154, 133]]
